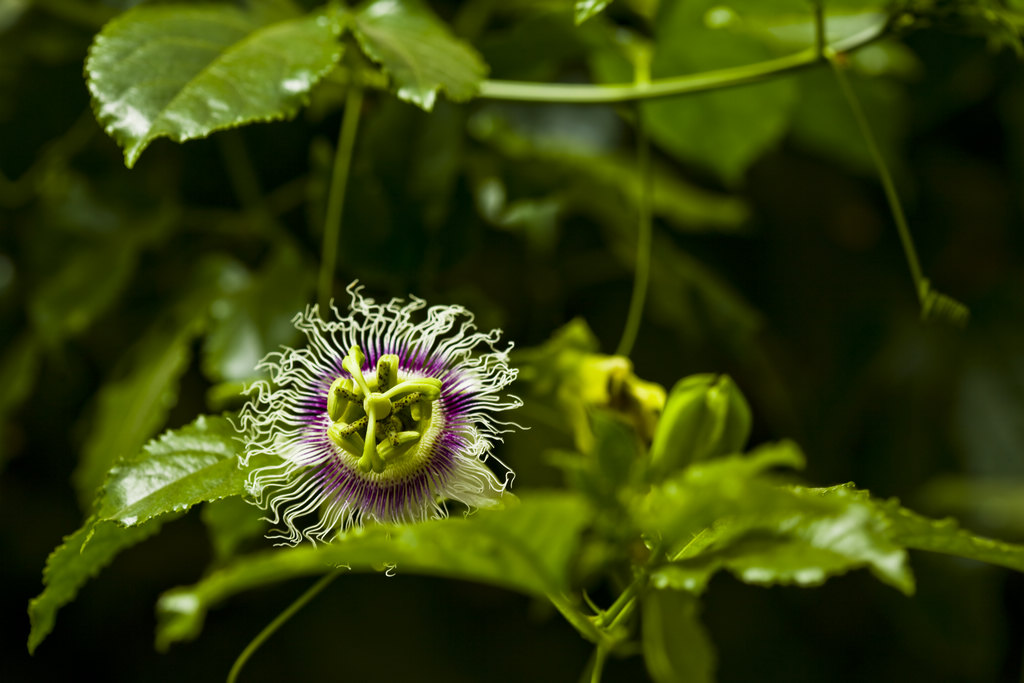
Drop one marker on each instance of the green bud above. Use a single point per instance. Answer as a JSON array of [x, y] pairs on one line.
[[706, 416]]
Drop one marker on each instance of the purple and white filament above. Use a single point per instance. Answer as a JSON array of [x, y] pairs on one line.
[[322, 486]]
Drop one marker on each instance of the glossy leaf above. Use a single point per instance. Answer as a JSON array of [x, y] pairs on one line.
[[185, 71], [585, 9], [526, 547], [196, 463], [684, 505], [183, 467], [73, 563], [807, 536], [945, 536], [131, 409], [677, 649], [418, 51]]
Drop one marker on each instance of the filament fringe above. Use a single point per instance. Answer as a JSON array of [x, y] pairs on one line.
[[286, 417]]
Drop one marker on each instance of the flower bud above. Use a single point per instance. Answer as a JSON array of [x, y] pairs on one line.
[[706, 416]]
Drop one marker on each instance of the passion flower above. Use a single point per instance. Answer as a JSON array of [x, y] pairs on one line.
[[384, 415]]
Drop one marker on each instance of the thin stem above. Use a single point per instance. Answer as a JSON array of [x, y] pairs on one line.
[[611, 615], [600, 654], [920, 284], [582, 623], [278, 622], [336, 198], [666, 87], [641, 275]]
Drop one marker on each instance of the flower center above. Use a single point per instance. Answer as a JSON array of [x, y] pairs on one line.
[[378, 420]]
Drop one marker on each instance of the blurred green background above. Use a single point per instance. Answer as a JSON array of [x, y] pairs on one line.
[[133, 300]]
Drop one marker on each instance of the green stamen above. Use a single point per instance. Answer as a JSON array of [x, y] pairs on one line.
[[387, 370], [429, 387], [380, 419], [340, 397]]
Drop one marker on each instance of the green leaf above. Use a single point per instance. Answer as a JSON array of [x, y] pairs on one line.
[[254, 315], [183, 467], [131, 409], [184, 71], [677, 649], [585, 9], [526, 547], [197, 463], [684, 505], [418, 51], [807, 536], [726, 130], [73, 563], [593, 177], [945, 536], [790, 25]]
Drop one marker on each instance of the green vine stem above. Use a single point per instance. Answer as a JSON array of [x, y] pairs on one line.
[[677, 85], [643, 246], [934, 305], [600, 655], [278, 622], [336, 197]]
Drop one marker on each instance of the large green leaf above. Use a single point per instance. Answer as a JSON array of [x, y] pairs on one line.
[[677, 649], [911, 530], [945, 536], [686, 504], [80, 558], [196, 463], [184, 71], [526, 547], [808, 536], [131, 409], [418, 51], [585, 9]]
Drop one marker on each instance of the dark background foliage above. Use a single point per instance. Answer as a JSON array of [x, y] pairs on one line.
[[806, 303]]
